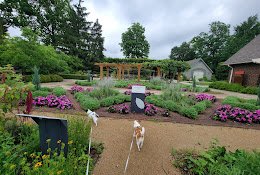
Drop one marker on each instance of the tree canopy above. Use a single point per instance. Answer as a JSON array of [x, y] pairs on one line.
[[134, 43]]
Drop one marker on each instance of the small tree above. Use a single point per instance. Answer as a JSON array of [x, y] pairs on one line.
[[258, 93], [88, 76], [36, 78]]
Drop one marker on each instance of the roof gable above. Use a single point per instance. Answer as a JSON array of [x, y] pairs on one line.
[[195, 61], [246, 54]]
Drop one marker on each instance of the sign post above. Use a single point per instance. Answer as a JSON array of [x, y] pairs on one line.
[[54, 129]]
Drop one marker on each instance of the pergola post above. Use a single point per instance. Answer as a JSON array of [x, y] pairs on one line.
[[158, 71], [123, 72], [101, 71], [128, 71], [179, 77], [119, 72], [107, 71], [139, 70]]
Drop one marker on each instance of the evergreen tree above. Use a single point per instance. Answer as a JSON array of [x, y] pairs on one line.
[[36, 78]]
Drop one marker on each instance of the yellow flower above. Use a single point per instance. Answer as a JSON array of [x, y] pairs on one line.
[[23, 158], [75, 167], [49, 149], [59, 172], [51, 173], [25, 153], [55, 154], [54, 163], [48, 140], [58, 141], [70, 142], [37, 157], [12, 166], [32, 155], [25, 122], [44, 156], [38, 164], [29, 124], [8, 152]]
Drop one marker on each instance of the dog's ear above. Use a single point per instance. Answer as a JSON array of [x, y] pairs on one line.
[[139, 121]]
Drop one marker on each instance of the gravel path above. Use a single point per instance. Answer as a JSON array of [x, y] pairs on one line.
[[155, 157]]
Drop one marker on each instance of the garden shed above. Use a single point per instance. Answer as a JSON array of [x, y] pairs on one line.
[[244, 66], [199, 69]]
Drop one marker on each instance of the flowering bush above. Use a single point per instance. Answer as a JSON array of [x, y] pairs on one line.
[[112, 109], [184, 89], [148, 93], [61, 102], [128, 92], [225, 112], [166, 113], [202, 97], [130, 86], [76, 89], [123, 109], [150, 109]]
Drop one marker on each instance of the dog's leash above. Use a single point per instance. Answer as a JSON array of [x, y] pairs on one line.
[[128, 155], [89, 150]]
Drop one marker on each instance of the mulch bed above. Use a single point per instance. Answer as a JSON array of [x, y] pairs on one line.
[[203, 119]]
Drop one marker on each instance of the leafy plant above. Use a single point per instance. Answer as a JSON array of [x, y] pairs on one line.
[[194, 82], [107, 101], [189, 112], [258, 94], [58, 91]]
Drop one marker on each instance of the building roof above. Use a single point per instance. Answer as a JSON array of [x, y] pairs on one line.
[[195, 61], [247, 53]]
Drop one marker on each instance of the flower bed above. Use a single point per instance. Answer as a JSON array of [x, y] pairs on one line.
[[76, 89], [130, 93], [61, 102], [225, 112], [202, 97], [122, 109], [150, 109]]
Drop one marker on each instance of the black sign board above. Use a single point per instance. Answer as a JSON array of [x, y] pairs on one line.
[[137, 99], [54, 129]]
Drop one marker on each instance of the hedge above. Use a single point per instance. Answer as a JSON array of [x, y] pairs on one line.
[[189, 112], [44, 78], [86, 83], [233, 87], [74, 76], [107, 101], [40, 93]]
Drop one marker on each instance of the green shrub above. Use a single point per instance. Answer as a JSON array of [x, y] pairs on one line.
[[122, 84], [45, 89], [154, 99], [55, 78], [107, 101], [200, 107], [40, 93], [251, 101], [127, 98], [189, 112], [171, 106], [58, 91], [86, 83], [234, 101], [73, 76], [249, 90], [208, 103], [78, 94], [90, 103], [119, 99]]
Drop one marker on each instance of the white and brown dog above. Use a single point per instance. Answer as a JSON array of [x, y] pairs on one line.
[[92, 115], [138, 134]]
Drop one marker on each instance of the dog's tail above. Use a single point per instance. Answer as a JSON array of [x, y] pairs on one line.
[[97, 115], [143, 130]]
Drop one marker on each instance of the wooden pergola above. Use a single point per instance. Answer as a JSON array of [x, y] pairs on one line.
[[121, 68]]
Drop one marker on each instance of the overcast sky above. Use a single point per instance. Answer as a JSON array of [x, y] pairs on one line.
[[167, 23]]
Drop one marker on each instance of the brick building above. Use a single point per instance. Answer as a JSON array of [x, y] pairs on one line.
[[244, 66]]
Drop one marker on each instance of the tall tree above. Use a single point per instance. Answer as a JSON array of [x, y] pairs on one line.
[[97, 42], [49, 19], [209, 46], [183, 53], [134, 43], [76, 37]]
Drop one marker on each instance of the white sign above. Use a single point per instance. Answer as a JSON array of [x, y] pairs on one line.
[[138, 89]]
